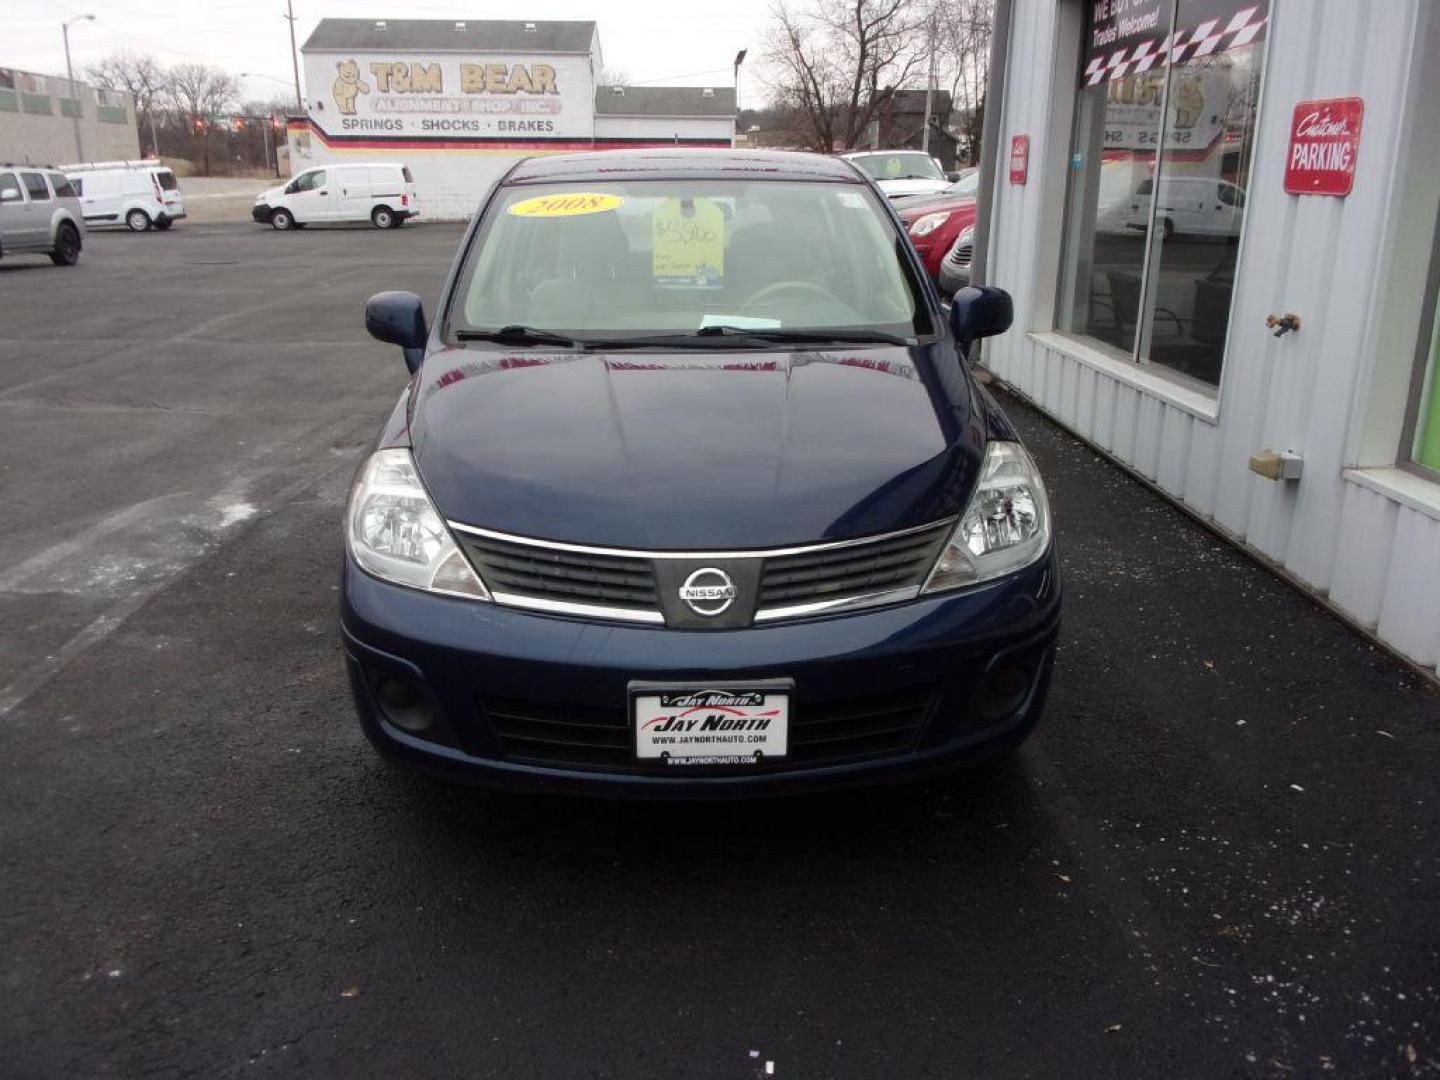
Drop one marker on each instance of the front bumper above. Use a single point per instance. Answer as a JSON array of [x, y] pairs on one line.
[[483, 664], [260, 212]]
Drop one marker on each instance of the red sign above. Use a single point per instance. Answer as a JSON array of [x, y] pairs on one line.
[[1324, 146], [1019, 158]]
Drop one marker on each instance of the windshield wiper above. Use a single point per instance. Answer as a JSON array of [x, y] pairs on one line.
[[515, 334], [723, 336], [840, 335]]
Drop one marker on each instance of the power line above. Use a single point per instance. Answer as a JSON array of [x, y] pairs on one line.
[[687, 75]]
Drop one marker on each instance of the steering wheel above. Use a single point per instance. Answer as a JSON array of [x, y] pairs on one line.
[[780, 288]]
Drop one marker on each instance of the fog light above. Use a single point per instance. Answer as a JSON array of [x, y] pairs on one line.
[[405, 704], [1004, 690]]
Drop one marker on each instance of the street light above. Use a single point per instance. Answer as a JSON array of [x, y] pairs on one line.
[[739, 59], [70, 74]]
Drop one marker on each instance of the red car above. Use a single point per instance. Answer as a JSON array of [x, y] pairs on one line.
[[933, 222]]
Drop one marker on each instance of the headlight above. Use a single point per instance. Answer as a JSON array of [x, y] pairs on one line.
[[396, 534], [967, 236], [929, 223], [1005, 527]]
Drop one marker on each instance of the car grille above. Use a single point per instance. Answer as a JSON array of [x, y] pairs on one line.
[[613, 583], [599, 738], [547, 573], [832, 573], [962, 254]]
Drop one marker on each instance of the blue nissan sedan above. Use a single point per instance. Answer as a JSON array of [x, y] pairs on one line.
[[692, 494]]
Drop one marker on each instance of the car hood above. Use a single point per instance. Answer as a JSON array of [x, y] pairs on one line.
[[918, 206], [895, 188], [269, 193], [703, 450]]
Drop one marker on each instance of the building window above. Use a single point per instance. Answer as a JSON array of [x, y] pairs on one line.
[[110, 107], [1160, 166]]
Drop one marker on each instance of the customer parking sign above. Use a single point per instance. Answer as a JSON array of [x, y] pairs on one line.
[[1324, 146]]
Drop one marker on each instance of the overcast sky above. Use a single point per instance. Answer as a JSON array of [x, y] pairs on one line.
[[681, 42]]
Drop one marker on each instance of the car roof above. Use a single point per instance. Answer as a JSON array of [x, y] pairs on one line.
[[683, 163], [884, 153]]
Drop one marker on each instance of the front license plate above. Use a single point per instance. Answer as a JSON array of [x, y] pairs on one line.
[[719, 725]]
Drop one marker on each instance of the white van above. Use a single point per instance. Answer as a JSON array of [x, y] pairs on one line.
[[136, 194], [1191, 206], [381, 192]]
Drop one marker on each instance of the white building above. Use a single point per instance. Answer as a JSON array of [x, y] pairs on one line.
[[1295, 149], [460, 101]]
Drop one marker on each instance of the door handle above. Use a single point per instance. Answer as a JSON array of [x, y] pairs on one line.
[[324, 192]]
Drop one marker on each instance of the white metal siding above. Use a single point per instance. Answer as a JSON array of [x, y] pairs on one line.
[[1376, 560]]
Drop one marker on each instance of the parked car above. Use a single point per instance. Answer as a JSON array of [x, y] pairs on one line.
[[380, 192], [902, 172], [136, 194], [934, 223], [1190, 206], [966, 187], [39, 214], [691, 493], [955, 266]]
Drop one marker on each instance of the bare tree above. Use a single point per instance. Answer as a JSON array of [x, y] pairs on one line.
[[612, 76], [835, 65], [144, 78], [199, 91], [962, 56]]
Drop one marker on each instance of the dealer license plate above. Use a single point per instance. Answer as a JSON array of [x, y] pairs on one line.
[[690, 726]]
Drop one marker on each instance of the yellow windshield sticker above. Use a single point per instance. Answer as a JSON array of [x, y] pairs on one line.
[[687, 243], [571, 204]]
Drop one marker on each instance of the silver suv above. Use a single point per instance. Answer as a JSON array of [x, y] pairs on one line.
[[39, 214]]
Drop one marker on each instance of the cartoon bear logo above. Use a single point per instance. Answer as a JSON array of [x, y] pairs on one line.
[[1188, 101], [348, 86]]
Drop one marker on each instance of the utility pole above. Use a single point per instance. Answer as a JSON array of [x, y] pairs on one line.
[[70, 74], [289, 17], [929, 89]]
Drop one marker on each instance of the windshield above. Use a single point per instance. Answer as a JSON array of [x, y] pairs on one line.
[[666, 257], [968, 185], [900, 166]]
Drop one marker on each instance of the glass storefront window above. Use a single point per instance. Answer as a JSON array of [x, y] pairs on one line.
[[1425, 450], [1160, 168]]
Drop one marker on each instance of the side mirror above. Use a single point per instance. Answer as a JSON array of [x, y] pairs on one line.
[[398, 318], [979, 311], [953, 175]]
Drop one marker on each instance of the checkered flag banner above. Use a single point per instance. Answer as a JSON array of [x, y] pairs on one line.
[[1208, 38]]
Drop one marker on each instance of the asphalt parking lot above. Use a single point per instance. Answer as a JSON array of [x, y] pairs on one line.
[[1218, 857]]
